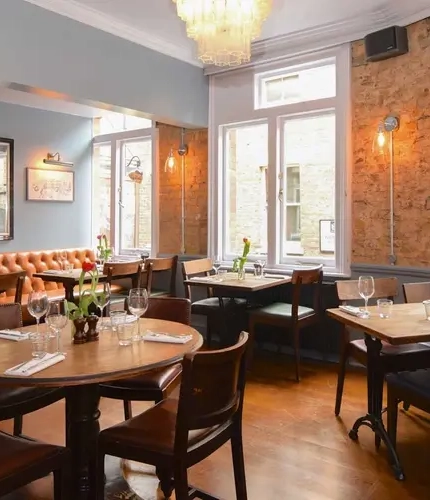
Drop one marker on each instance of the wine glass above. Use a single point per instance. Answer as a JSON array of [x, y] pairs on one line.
[[138, 301], [56, 320], [37, 306], [366, 288], [103, 299], [216, 263]]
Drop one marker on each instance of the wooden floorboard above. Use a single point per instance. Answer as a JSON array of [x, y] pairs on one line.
[[295, 448]]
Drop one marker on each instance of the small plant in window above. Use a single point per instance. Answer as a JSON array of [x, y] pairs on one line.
[[103, 250], [239, 262]]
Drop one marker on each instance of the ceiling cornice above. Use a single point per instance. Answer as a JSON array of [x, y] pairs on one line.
[[96, 19]]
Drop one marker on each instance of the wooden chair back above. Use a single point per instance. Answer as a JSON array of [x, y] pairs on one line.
[[212, 389], [13, 280], [198, 267], [311, 277], [124, 270], [10, 316], [165, 265], [416, 292], [385, 288], [169, 309]]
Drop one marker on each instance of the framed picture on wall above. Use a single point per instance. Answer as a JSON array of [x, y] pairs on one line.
[[327, 236], [50, 185]]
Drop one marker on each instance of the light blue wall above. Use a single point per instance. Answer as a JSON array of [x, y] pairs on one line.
[[48, 225], [45, 50]]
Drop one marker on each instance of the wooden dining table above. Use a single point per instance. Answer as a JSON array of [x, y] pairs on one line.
[[406, 325], [80, 373]]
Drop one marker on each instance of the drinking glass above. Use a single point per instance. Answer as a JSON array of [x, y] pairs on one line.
[[216, 263], [138, 304], [37, 306], [126, 332], [426, 304], [117, 318], [385, 307], [366, 289], [102, 300], [39, 344], [56, 320], [62, 255]]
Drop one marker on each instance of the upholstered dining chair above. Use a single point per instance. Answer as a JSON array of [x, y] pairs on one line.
[[24, 461], [177, 434], [292, 316], [157, 384], [18, 401], [209, 306], [13, 281], [393, 358]]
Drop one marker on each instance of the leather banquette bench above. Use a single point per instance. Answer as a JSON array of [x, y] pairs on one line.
[[37, 262]]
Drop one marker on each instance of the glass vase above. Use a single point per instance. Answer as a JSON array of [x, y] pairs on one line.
[[241, 274]]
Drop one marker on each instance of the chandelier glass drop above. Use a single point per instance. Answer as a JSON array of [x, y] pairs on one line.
[[223, 29]]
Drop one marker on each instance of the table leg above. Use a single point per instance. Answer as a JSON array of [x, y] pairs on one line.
[[373, 419], [82, 421], [68, 292]]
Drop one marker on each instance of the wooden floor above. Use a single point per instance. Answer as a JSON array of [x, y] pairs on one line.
[[295, 448]]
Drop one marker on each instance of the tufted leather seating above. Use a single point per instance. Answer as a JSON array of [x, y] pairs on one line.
[[37, 262]]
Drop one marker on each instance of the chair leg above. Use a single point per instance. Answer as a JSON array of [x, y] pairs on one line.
[[17, 425], [100, 480], [166, 481], [127, 410], [238, 465], [296, 340], [251, 343], [58, 484], [341, 376], [392, 407], [406, 405], [181, 481]]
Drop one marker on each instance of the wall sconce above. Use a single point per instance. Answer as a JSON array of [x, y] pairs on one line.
[[170, 166], [137, 174], [389, 125], [55, 159]]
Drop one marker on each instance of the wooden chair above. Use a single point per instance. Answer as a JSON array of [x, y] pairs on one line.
[[293, 316], [175, 435], [14, 281], [24, 461], [210, 306], [393, 358], [18, 401], [162, 267], [416, 292], [158, 384]]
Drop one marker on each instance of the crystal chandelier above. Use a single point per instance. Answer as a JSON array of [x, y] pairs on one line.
[[223, 29]]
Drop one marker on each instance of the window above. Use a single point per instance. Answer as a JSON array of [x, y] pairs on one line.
[[117, 122], [280, 165], [123, 190]]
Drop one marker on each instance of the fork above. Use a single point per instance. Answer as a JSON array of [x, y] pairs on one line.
[[40, 361]]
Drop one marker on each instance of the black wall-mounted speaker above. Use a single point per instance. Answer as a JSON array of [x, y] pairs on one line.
[[386, 43]]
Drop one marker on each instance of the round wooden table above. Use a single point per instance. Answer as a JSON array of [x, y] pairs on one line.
[[84, 368]]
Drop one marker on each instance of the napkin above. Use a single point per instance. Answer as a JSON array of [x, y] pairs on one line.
[[202, 278], [35, 365], [53, 271], [353, 311], [167, 338], [13, 335], [275, 276]]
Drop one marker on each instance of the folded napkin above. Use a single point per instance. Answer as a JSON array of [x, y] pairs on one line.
[[353, 311], [53, 271], [202, 278], [167, 338], [277, 276], [35, 365], [13, 335]]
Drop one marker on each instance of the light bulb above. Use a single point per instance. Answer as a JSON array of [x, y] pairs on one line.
[[170, 165], [381, 139]]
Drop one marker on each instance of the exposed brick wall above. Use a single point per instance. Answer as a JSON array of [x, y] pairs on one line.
[[196, 191], [399, 86]]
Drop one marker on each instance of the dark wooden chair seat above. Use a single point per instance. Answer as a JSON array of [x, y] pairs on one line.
[[23, 461], [292, 316], [18, 401], [413, 387], [158, 384], [212, 304], [175, 435]]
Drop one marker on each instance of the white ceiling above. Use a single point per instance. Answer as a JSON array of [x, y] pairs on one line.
[[154, 23]]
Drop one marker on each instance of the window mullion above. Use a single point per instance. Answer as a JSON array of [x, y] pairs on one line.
[[273, 212]]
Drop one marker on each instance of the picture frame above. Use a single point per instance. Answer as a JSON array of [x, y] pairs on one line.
[[327, 236], [50, 185], [6, 189]]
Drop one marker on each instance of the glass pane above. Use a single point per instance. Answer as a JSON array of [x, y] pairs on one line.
[[305, 85], [117, 122], [246, 188], [101, 190], [309, 177], [136, 196]]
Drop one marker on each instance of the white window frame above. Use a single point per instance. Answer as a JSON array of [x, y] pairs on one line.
[[116, 140], [245, 113]]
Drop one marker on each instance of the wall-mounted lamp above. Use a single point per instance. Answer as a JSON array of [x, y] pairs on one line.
[[135, 175], [170, 166], [389, 125], [55, 159]]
